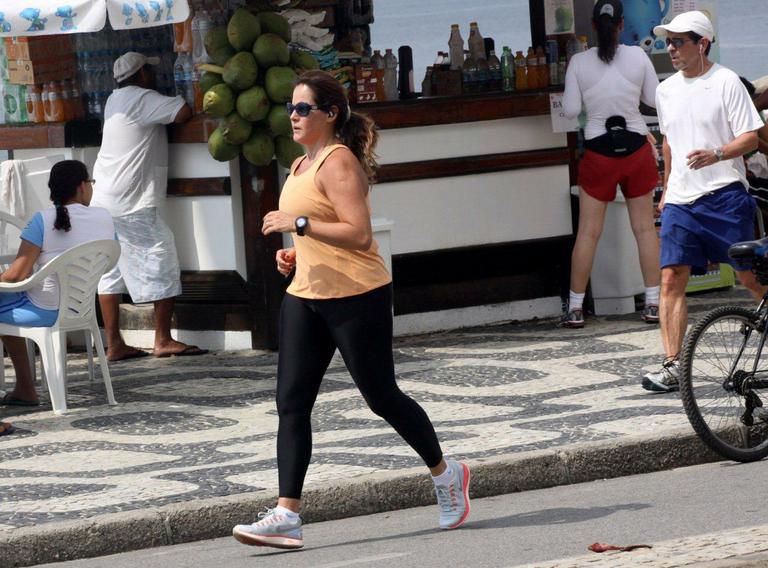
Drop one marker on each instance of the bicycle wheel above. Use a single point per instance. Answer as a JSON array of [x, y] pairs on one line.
[[715, 365]]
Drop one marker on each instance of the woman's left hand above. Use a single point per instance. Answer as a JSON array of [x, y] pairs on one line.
[[278, 222]]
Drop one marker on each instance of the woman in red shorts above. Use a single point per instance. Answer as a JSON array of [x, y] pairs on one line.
[[609, 82]]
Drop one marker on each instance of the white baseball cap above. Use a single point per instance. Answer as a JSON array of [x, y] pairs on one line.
[[129, 63], [693, 21]]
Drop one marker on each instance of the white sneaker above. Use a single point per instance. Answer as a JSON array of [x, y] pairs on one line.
[[664, 380], [272, 529], [453, 498]]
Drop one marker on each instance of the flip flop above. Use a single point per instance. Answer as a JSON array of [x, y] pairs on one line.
[[133, 355], [189, 351], [6, 428], [9, 400]]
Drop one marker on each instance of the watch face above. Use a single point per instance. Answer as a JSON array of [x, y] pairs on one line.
[[301, 222]]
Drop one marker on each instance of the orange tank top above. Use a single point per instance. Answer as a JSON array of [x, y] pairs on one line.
[[324, 271]]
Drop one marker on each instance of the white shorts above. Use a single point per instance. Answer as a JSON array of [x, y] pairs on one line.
[[148, 268]]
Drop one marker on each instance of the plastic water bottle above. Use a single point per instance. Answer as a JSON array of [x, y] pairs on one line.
[[178, 75], [201, 25], [456, 47], [390, 76], [507, 69], [494, 69], [189, 80]]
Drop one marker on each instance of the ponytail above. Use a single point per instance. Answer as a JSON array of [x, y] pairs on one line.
[[607, 38], [62, 219], [359, 134], [66, 176]]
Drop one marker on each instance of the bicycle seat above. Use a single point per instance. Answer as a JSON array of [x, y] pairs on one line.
[[749, 250]]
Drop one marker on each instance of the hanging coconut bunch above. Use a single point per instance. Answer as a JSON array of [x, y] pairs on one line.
[[247, 86]]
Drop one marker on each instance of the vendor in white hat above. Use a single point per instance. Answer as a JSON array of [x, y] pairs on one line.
[[131, 175], [708, 122]]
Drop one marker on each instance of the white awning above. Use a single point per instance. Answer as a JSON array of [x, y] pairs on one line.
[[47, 17]]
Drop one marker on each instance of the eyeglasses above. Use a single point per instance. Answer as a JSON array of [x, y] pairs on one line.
[[302, 109], [678, 42], [91, 181]]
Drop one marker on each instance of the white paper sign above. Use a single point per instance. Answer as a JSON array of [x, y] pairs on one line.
[[46, 17], [128, 15], [561, 123]]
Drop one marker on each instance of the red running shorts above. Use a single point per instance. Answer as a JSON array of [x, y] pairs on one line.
[[636, 174]]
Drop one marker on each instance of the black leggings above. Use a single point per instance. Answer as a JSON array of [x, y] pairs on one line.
[[361, 328]]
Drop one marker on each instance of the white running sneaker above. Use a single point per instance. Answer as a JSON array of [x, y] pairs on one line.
[[665, 380], [272, 529], [453, 499]]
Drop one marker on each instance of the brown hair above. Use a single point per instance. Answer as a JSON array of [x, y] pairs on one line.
[[355, 130]]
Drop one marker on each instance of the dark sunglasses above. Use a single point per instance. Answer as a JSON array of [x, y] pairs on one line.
[[678, 42], [302, 109]]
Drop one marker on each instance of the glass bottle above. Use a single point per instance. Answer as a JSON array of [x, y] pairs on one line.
[[456, 47], [476, 42]]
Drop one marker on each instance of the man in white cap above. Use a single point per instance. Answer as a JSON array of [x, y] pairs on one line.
[[709, 123], [131, 174]]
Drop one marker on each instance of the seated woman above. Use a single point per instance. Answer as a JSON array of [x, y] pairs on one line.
[[49, 233]]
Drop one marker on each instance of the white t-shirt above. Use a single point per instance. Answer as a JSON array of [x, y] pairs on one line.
[[703, 113], [610, 89], [131, 170], [88, 224]]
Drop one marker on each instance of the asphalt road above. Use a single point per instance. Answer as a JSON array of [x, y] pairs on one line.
[[503, 531]]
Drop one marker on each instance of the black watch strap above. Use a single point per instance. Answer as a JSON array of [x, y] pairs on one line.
[[301, 224]]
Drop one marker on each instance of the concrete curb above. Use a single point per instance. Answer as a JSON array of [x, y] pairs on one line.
[[213, 518]]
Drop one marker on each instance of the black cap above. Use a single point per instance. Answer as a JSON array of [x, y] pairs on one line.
[[613, 8]]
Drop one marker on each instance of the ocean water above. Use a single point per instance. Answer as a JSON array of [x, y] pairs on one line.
[[426, 25]]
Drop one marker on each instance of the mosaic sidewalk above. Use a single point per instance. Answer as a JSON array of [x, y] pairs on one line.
[[202, 427]]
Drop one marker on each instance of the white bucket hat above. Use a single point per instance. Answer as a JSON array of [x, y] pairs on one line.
[[693, 21]]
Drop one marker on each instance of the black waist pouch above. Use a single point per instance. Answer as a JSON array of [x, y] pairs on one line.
[[617, 142]]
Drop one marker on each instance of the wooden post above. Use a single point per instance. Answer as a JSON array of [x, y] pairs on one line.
[[266, 285]]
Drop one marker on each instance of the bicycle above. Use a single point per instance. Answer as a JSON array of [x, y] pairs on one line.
[[721, 380]]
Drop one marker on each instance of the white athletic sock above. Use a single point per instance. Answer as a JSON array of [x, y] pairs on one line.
[[652, 296], [444, 478], [575, 301], [287, 513]]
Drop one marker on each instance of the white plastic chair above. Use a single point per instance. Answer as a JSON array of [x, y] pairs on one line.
[[10, 231], [78, 271]]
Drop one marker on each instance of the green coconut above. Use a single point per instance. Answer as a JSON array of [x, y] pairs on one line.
[[279, 83], [243, 29], [220, 149], [259, 148], [279, 122], [303, 60], [208, 80], [253, 104], [241, 71], [236, 129], [219, 101], [287, 150], [217, 45], [274, 23], [271, 50]]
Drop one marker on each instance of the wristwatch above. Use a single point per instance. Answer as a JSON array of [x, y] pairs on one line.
[[301, 224], [719, 154]]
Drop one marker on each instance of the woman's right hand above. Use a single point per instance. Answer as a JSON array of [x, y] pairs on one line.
[[286, 260]]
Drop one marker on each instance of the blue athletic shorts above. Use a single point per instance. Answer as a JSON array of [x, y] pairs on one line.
[[16, 309], [698, 233]]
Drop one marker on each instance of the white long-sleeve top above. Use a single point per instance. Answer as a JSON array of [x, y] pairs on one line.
[[609, 89]]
